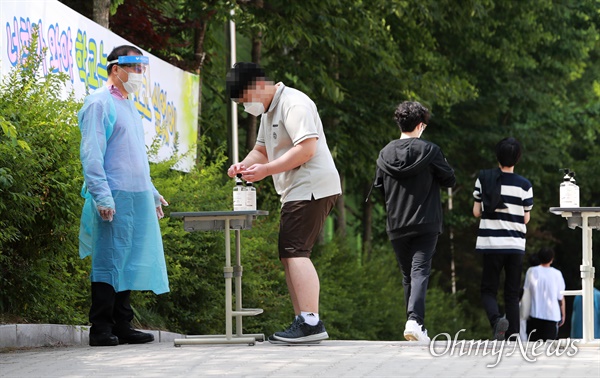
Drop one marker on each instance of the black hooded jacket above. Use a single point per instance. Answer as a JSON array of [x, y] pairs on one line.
[[491, 190], [410, 172]]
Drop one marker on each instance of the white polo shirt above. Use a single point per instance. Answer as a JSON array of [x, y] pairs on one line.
[[292, 118], [545, 285]]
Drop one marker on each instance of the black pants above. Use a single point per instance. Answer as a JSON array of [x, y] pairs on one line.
[[414, 254], [544, 329], [109, 308], [493, 263]]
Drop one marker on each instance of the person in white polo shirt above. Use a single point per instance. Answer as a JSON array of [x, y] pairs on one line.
[[545, 285], [292, 148]]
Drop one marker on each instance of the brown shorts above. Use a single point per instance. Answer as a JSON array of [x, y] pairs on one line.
[[300, 225]]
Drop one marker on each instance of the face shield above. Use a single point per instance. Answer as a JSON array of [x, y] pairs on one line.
[[138, 74]]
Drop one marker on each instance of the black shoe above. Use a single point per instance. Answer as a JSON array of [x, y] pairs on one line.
[[103, 339], [500, 329], [128, 335], [300, 332]]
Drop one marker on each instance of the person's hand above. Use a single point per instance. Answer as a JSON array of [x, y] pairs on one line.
[[106, 213], [235, 169], [255, 173], [562, 321], [159, 211]]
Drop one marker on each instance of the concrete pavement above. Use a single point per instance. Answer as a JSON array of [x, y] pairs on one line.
[[38, 335], [329, 359]]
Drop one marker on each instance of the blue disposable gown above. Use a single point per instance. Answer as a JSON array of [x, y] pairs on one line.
[[127, 253]]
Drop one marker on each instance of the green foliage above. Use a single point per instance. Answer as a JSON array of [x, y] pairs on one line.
[[40, 274], [195, 260], [449, 313], [360, 300], [486, 69]]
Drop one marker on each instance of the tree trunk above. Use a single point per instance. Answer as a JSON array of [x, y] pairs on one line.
[[251, 124], [367, 223], [251, 127], [341, 212], [199, 54], [101, 12], [333, 125]]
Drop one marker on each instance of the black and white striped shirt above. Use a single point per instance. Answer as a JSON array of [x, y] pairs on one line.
[[503, 231]]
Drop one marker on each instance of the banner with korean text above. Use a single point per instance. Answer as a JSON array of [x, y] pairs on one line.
[[77, 46]]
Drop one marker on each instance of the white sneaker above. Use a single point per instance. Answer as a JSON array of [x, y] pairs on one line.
[[414, 332]]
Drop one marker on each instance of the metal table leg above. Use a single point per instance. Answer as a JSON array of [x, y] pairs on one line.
[[230, 272], [587, 281]]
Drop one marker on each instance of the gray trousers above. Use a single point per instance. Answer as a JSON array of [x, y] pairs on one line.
[[414, 254]]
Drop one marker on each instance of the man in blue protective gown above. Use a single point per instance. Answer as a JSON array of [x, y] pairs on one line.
[[119, 222]]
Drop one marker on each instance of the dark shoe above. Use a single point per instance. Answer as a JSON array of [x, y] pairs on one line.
[[273, 340], [128, 335], [500, 329], [103, 339], [300, 332]]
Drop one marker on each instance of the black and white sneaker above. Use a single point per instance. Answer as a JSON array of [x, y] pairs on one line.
[[273, 340], [301, 332]]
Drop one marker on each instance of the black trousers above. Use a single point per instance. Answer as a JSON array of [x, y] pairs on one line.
[[109, 308], [540, 329], [414, 254], [493, 264]]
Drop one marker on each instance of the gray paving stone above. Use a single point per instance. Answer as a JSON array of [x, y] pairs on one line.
[[168, 337], [36, 335], [8, 336], [328, 359], [39, 335], [84, 335]]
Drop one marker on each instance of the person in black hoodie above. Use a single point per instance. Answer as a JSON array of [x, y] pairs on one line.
[[410, 172]]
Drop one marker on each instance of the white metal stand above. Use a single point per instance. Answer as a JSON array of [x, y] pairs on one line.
[[227, 221], [588, 218]]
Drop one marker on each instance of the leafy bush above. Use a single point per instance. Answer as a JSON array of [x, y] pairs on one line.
[[195, 260], [365, 300], [41, 277]]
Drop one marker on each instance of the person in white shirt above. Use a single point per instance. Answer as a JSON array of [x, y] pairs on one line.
[[545, 284], [291, 147]]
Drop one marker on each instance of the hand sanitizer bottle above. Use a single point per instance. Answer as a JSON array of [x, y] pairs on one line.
[[239, 194], [250, 196], [569, 191], [574, 190]]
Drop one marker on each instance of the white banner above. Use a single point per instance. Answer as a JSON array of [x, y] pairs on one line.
[[77, 46]]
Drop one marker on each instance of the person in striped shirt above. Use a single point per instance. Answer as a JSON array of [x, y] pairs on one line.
[[503, 200]]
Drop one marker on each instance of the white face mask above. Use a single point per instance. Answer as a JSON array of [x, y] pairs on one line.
[[422, 129], [133, 83], [254, 108]]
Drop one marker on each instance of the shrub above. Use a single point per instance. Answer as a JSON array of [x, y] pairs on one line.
[[41, 276]]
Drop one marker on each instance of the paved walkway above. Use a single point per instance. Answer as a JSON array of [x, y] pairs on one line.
[[329, 359]]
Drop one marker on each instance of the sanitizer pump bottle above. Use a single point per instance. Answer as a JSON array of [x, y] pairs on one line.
[[250, 196], [569, 191], [239, 194]]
